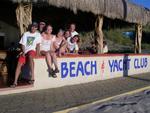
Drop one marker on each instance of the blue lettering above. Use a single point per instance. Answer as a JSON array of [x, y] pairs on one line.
[[120, 64], [136, 63], [80, 68], [146, 62], [140, 63], [85, 67], [72, 68], [93, 67], [116, 65], [64, 70], [111, 65], [126, 64]]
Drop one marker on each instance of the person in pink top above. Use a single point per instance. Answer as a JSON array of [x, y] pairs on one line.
[[60, 43], [58, 48]]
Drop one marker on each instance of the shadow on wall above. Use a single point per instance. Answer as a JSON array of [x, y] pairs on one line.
[[139, 78], [126, 65]]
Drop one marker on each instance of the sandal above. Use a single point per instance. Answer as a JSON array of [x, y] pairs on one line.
[[56, 70], [54, 75], [31, 81], [13, 85]]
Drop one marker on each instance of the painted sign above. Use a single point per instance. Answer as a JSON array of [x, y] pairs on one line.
[[103, 67], [78, 68]]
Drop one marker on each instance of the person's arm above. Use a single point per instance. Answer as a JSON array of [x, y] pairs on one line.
[[23, 50], [67, 48], [38, 45], [76, 48], [38, 49], [22, 42]]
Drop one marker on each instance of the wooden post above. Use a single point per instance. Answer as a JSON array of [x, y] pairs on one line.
[[24, 16], [138, 38], [99, 33]]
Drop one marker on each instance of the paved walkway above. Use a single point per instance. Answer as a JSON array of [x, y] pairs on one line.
[[50, 100]]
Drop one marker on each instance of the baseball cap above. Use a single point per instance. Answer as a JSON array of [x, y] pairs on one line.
[[34, 24], [42, 23]]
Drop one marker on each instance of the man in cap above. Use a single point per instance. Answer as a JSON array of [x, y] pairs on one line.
[[41, 26], [30, 45]]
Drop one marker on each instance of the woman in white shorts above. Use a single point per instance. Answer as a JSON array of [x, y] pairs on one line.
[[47, 41]]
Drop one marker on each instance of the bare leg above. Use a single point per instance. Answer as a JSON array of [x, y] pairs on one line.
[[17, 73], [31, 65], [54, 59], [48, 60]]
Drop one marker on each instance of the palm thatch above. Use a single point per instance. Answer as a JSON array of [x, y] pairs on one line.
[[115, 9], [24, 16]]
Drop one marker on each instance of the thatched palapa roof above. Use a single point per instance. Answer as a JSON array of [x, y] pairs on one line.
[[114, 9]]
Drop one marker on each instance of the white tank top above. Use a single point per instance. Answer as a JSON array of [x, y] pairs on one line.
[[46, 44]]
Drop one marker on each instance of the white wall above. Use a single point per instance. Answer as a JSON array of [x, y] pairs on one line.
[[83, 69], [77, 70]]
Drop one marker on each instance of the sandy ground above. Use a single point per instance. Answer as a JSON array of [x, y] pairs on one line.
[[136, 103]]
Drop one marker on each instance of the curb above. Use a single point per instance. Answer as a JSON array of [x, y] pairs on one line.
[[103, 100]]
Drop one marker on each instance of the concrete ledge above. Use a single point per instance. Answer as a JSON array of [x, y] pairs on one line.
[[75, 69], [85, 68]]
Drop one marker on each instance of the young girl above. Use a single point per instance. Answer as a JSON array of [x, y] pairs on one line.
[[47, 41]]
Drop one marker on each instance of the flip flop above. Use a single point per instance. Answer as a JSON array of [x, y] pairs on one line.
[[56, 70], [13, 85], [54, 75], [31, 81]]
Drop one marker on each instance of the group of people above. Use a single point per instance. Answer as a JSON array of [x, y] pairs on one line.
[[39, 41]]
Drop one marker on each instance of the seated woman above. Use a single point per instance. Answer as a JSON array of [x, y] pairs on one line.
[[72, 45], [67, 35], [60, 44], [46, 43]]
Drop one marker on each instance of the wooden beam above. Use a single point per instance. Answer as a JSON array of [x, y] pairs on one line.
[[138, 38], [24, 16], [99, 33]]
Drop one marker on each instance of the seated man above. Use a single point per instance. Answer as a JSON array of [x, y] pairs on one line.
[[30, 44]]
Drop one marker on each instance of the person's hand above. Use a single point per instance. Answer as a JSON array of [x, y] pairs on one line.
[[22, 54]]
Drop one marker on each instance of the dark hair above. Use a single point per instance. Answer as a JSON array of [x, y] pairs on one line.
[[78, 38], [45, 28], [60, 30], [31, 25], [73, 23], [29, 28]]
